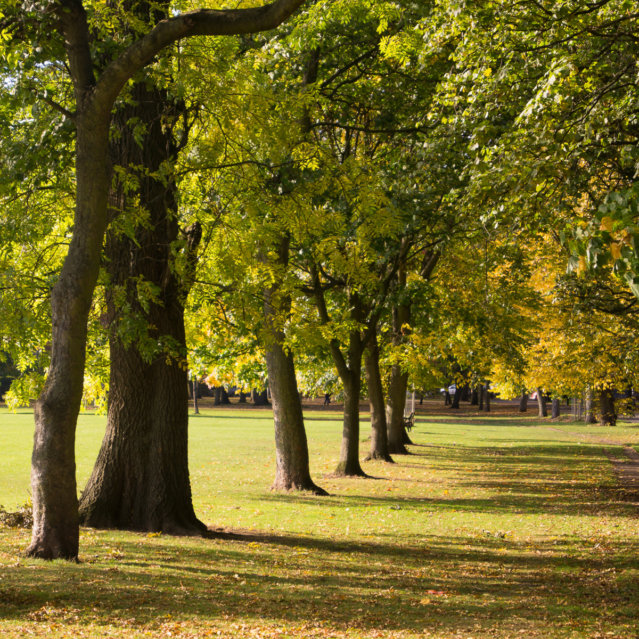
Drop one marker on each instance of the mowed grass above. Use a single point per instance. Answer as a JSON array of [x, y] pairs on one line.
[[495, 526]]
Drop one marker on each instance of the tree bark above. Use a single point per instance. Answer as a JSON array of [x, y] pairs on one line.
[[589, 413], [55, 531], [555, 408], [541, 403], [196, 391], [259, 398], [396, 403], [487, 398], [141, 478], [456, 397], [523, 401], [474, 397], [348, 464], [482, 394], [607, 410], [379, 434], [292, 470], [398, 382]]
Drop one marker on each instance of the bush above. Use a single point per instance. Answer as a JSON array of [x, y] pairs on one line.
[[22, 518]]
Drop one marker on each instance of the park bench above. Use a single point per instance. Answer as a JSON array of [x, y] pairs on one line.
[[409, 422]]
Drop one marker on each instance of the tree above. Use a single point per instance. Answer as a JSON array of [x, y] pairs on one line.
[[66, 25], [140, 480]]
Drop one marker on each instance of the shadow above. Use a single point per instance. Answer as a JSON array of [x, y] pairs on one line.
[[454, 584]]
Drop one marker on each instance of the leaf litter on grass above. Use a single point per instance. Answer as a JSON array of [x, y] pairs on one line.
[[484, 536]]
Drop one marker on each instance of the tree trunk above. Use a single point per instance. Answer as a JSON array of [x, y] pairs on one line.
[[482, 394], [349, 453], [242, 399], [589, 413], [607, 411], [541, 403], [55, 531], [447, 400], [292, 471], [379, 434], [474, 397], [141, 478], [224, 397], [291, 448], [456, 397], [196, 391], [396, 402], [259, 398], [555, 408], [487, 398], [523, 401]]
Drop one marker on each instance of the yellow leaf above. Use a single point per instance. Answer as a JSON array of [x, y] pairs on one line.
[[606, 224], [615, 249]]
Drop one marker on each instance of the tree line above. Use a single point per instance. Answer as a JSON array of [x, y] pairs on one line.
[[371, 196]]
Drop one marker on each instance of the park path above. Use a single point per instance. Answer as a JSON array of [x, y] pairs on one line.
[[626, 466], [627, 471]]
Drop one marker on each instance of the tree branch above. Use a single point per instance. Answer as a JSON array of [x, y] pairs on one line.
[[75, 30], [193, 23]]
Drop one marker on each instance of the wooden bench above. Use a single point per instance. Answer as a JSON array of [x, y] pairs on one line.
[[409, 422]]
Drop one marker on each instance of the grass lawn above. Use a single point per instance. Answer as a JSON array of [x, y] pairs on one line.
[[495, 526]]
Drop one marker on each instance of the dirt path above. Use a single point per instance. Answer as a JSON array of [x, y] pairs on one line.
[[627, 471], [626, 466]]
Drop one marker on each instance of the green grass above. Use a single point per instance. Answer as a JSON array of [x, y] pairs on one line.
[[495, 527]]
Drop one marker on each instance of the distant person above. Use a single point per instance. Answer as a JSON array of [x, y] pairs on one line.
[[327, 399]]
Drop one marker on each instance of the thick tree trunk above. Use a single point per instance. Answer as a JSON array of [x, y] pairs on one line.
[[379, 434], [482, 395], [474, 397], [541, 403], [523, 401], [396, 402], [607, 410], [141, 478], [242, 399], [589, 412], [556, 408]]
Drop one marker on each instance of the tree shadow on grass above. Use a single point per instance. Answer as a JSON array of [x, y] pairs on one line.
[[447, 583], [516, 479]]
